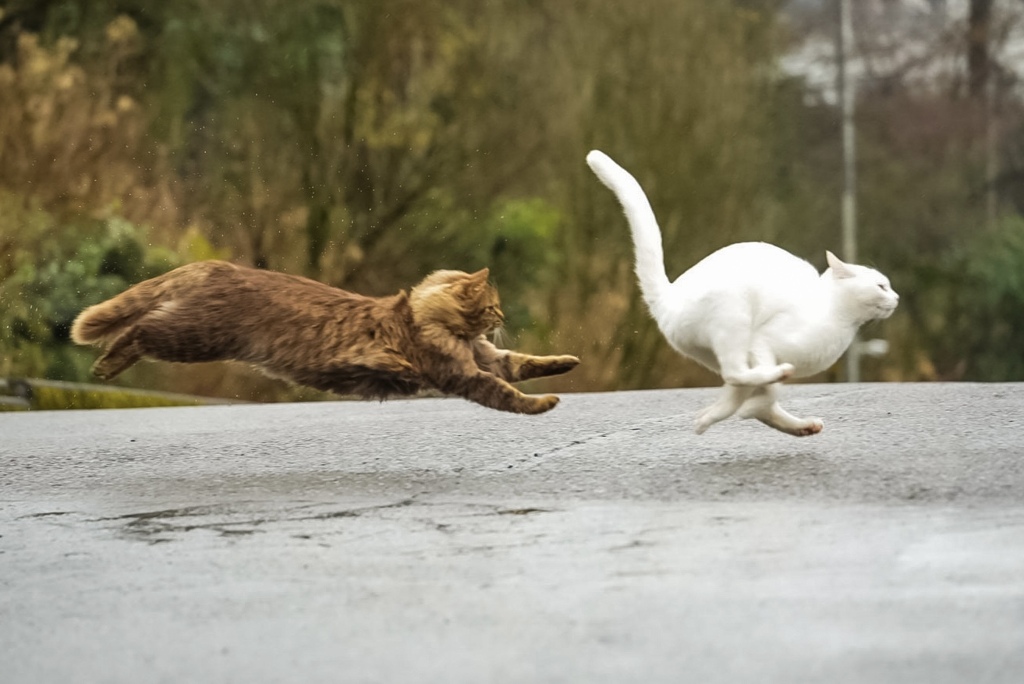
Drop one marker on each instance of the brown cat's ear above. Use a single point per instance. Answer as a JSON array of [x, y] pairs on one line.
[[476, 282]]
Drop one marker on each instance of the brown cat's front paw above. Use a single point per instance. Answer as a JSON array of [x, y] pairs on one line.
[[562, 364], [542, 366], [537, 405]]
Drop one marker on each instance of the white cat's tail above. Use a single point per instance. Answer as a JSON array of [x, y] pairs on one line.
[[650, 259]]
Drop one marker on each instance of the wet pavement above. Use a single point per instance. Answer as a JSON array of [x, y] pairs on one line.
[[436, 541]]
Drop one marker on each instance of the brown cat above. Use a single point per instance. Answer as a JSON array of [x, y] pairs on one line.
[[316, 335]]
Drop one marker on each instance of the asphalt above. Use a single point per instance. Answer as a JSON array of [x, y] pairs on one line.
[[437, 541]]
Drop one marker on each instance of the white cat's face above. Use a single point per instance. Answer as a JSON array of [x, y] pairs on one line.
[[875, 293], [870, 290]]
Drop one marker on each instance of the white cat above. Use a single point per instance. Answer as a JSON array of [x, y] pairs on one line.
[[752, 312]]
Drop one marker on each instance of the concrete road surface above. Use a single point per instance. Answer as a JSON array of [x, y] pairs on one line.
[[437, 541]]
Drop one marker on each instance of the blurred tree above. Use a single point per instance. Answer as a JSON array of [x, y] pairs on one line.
[[367, 142], [932, 85], [680, 94], [972, 308], [979, 25], [317, 130], [72, 136]]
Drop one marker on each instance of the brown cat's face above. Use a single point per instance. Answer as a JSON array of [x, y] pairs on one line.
[[481, 305], [465, 303]]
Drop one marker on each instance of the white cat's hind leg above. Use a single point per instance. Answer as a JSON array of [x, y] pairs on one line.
[[764, 406], [732, 398], [740, 365], [759, 375]]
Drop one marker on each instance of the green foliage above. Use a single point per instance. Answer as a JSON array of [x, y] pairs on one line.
[[368, 142], [965, 313], [989, 316], [45, 395], [522, 232], [197, 247], [518, 242], [53, 269], [51, 398]]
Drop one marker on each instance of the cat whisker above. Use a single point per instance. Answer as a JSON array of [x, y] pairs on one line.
[[499, 337]]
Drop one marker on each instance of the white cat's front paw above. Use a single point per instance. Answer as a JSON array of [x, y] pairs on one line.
[[786, 370], [700, 425], [706, 418]]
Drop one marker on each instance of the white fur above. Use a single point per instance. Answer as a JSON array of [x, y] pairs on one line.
[[752, 312]]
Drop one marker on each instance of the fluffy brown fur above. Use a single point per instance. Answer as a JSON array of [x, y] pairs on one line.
[[316, 335]]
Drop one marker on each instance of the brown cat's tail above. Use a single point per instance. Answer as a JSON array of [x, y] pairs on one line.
[[99, 323]]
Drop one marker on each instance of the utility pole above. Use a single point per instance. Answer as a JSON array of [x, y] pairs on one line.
[[845, 90], [981, 86], [991, 153]]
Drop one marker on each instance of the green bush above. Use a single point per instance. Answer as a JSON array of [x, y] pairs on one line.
[[52, 269], [980, 331]]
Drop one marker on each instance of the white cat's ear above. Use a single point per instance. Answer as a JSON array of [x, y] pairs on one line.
[[839, 268]]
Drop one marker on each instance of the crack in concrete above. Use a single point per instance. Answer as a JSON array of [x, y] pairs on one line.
[[154, 526], [635, 427]]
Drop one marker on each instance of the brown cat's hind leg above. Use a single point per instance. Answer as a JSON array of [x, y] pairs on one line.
[[123, 353]]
